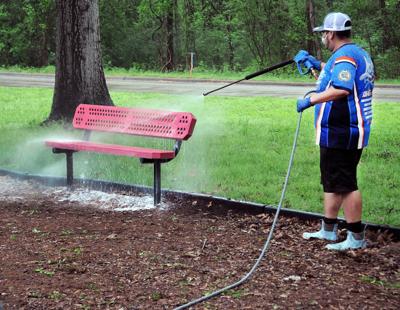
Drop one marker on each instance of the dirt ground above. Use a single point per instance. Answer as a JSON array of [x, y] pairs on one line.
[[63, 254]]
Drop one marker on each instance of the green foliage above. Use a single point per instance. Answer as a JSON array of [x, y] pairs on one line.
[[230, 35], [27, 32], [378, 282], [268, 38], [56, 295], [44, 272], [385, 63], [155, 296], [121, 42], [237, 294]]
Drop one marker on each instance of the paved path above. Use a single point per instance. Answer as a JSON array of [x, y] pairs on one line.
[[194, 87]]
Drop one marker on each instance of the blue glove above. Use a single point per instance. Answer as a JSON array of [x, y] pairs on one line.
[[301, 56], [315, 62], [303, 103], [304, 58]]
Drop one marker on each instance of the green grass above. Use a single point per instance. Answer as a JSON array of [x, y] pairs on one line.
[[289, 74], [378, 282], [240, 149]]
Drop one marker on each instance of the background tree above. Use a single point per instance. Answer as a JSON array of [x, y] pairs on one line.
[[121, 40], [161, 17], [225, 10], [313, 45], [79, 71], [266, 24], [225, 35], [27, 30], [188, 26]]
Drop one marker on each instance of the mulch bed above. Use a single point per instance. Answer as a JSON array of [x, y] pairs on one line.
[[62, 255]]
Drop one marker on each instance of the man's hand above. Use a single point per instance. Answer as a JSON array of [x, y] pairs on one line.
[[309, 61], [315, 62], [301, 56], [303, 103]]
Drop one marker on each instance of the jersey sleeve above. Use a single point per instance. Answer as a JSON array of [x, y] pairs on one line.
[[343, 74]]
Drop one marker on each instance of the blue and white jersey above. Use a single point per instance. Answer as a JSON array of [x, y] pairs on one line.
[[345, 123]]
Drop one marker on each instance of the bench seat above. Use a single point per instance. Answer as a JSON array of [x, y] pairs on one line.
[[121, 150]]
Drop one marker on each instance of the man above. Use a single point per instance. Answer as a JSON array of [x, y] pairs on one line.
[[343, 115]]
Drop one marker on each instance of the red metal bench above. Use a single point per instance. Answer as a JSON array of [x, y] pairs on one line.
[[133, 121]]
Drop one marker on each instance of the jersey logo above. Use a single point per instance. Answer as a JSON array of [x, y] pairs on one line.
[[368, 76], [344, 75]]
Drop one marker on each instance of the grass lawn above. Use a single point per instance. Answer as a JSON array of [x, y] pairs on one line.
[[240, 149]]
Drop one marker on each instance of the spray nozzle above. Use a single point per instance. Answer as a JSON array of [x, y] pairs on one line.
[[303, 62]]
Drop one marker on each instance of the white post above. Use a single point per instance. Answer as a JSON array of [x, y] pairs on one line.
[[191, 63]]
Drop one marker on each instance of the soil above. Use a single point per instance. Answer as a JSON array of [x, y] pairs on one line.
[[58, 253]]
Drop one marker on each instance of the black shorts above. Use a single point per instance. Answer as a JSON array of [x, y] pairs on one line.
[[339, 169]]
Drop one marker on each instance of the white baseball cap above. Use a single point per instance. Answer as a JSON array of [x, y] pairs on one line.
[[335, 22]]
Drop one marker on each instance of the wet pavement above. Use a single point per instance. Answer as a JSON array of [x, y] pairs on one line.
[[386, 93]]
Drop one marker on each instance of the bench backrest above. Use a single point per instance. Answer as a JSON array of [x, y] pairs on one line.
[[135, 121]]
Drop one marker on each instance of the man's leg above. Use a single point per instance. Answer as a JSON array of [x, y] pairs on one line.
[[352, 206], [328, 231], [332, 203]]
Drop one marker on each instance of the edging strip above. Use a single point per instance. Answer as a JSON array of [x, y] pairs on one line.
[[251, 207]]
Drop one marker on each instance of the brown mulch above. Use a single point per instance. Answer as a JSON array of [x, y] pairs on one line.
[[63, 255]]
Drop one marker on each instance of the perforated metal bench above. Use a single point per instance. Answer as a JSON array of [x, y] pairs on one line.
[[133, 121]]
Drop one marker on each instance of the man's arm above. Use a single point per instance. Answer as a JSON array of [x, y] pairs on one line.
[[327, 95], [330, 94]]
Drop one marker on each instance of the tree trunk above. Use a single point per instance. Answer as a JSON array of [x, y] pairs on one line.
[[329, 3], [231, 50], [79, 71], [169, 28], [386, 32], [313, 45], [190, 38]]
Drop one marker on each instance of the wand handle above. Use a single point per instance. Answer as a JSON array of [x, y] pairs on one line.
[[253, 75], [272, 68], [205, 94]]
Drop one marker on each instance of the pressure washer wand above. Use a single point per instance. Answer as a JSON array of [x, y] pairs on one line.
[[253, 75]]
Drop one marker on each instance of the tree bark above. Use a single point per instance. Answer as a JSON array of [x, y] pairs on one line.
[[79, 70], [231, 49], [329, 3], [169, 63], [386, 32], [313, 45], [190, 37]]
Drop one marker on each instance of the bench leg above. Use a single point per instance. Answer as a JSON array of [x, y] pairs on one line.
[[157, 182], [70, 168]]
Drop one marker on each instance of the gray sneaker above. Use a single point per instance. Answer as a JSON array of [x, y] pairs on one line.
[[351, 242], [330, 235]]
